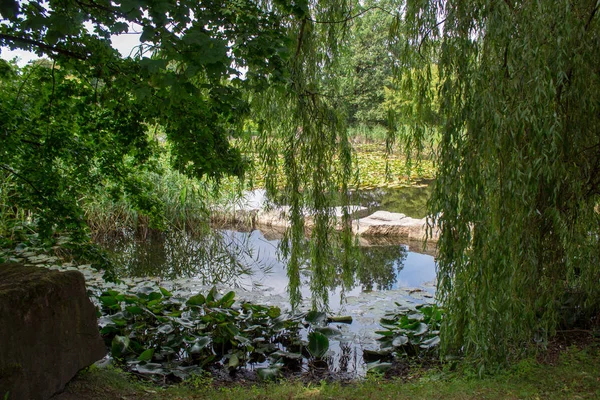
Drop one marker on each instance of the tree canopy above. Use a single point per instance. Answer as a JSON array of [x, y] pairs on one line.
[[517, 189]]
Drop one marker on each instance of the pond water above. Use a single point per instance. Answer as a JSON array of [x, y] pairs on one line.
[[249, 263]]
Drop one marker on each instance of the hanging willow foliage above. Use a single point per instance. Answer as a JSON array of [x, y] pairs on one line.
[[518, 185], [303, 133]]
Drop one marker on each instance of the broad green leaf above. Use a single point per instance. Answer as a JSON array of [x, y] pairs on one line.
[[318, 344], [146, 355], [196, 300]]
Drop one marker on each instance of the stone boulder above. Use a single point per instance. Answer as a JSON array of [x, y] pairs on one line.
[[385, 223], [48, 331]]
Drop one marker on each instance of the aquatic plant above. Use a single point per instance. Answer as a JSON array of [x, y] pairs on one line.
[[152, 332]]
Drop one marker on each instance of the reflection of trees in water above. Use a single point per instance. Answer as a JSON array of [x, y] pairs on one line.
[[212, 257], [229, 258], [374, 268], [379, 266]]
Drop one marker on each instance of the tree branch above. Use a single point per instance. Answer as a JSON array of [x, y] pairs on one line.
[[13, 172], [42, 46]]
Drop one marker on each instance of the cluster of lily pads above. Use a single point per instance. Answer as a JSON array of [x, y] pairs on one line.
[[408, 332], [152, 332]]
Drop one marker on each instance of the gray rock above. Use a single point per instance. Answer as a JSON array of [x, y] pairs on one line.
[[385, 223], [48, 331]]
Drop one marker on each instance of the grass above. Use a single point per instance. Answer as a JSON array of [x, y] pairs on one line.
[[574, 375]]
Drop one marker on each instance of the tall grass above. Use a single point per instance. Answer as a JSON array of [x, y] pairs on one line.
[[186, 204]]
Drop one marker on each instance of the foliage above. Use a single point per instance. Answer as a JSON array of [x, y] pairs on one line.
[[304, 123], [151, 331], [412, 331], [367, 63], [80, 120], [518, 167], [574, 375]]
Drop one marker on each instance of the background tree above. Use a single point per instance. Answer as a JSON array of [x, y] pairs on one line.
[[517, 191], [368, 62]]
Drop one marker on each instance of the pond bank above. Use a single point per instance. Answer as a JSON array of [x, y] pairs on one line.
[[573, 373], [372, 225]]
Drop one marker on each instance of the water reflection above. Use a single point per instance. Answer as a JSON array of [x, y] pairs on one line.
[[209, 258], [380, 278], [253, 262]]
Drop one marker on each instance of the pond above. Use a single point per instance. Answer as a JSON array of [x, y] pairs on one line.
[[384, 278]]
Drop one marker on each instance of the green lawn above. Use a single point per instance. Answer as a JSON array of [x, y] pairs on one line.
[[574, 375]]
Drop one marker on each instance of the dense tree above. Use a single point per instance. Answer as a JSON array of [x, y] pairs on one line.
[[368, 62], [517, 191], [92, 102]]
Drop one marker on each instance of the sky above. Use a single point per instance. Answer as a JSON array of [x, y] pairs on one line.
[[123, 43]]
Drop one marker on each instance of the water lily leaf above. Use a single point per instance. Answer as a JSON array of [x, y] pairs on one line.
[[165, 329], [155, 296], [400, 341], [146, 355], [108, 301], [119, 346], [150, 368], [165, 292], [200, 344], [135, 310], [315, 317], [286, 354], [429, 343], [196, 300], [328, 331], [318, 344], [421, 329], [267, 374], [234, 361], [109, 329], [274, 312], [378, 367]]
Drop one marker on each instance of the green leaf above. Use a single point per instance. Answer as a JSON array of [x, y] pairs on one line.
[[108, 301], [165, 292], [212, 295], [274, 312], [119, 346], [200, 344], [234, 361], [318, 344], [196, 300], [328, 331], [228, 299], [315, 317], [378, 367], [399, 341], [135, 310], [155, 296], [429, 343], [146, 355]]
